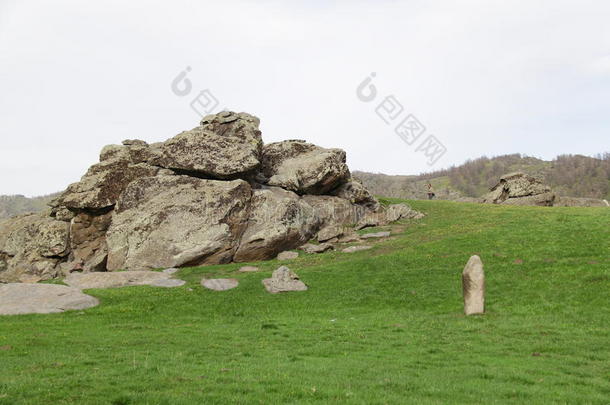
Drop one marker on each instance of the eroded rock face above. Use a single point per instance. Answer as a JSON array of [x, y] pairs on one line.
[[335, 211], [304, 168], [173, 221], [279, 220], [32, 245], [225, 146], [88, 241], [520, 189]]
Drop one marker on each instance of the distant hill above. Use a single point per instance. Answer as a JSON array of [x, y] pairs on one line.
[[568, 175], [11, 205]]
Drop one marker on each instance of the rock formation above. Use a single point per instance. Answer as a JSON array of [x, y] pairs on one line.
[[473, 286], [520, 189], [214, 194]]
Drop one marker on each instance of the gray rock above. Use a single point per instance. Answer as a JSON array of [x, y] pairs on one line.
[[220, 284], [375, 235], [175, 221], [304, 168], [288, 255], [17, 299], [370, 220], [335, 211], [520, 189], [115, 279], [32, 246], [349, 238], [279, 220], [330, 232], [283, 280], [397, 212], [357, 194], [353, 249], [227, 145], [473, 285], [321, 248], [171, 270], [248, 269]]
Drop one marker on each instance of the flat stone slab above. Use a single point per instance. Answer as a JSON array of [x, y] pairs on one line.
[[114, 279], [19, 298], [353, 249], [321, 248], [171, 271], [288, 255], [220, 284], [375, 235], [171, 283], [248, 269], [283, 280]]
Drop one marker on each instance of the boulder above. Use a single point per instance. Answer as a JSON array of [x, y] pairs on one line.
[[279, 220], [303, 168], [32, 245], [116, 279], [100, 187], [173, 221], [321, 248], [473, 286], [225, 146], [335, 211], [19, 299], [520, 189], [283, 280], [395, 212], [357, 194], [330, 232]]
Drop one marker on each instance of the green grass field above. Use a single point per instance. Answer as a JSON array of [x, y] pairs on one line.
[[383, 326]]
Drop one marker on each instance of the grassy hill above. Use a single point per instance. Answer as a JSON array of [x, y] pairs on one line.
[[568, 175], [383, 326]]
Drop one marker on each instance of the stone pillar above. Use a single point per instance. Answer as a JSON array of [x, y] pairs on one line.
[[473, 285]]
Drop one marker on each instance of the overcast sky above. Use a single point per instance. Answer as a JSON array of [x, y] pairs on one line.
[[484, 77]]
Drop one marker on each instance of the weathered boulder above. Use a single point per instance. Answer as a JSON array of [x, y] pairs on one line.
[[100, 187], [173, 221], [357, 194], [473, 286], [330, 232], [335, 211], [395, 212], [18, 299], [32, 245], [303, 168], [88, 242], [520, 189], [225, 146], [279, 220], [283, 280]]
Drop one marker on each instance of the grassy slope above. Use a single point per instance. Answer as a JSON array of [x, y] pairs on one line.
[[382, 326]]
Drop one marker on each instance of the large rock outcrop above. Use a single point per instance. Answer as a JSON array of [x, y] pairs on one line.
[[520, 189], [214, 194]]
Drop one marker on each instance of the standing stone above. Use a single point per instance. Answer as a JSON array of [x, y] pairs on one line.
[[473, 285]]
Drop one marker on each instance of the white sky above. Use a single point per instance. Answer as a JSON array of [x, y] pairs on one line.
[[486, 77]]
